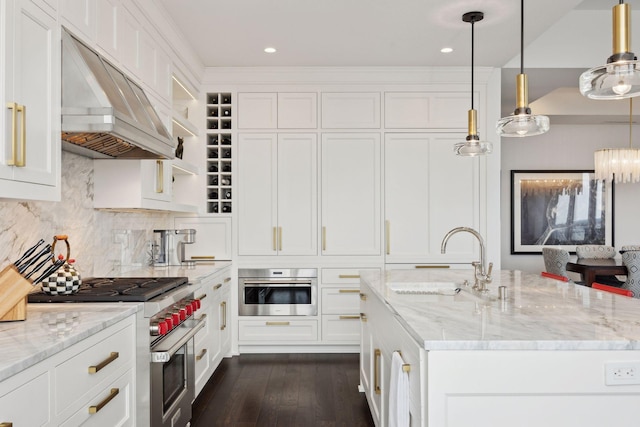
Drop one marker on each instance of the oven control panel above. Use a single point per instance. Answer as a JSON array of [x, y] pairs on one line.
[[167, 320]]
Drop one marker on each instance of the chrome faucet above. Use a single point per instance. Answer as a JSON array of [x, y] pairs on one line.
[[481, 273]]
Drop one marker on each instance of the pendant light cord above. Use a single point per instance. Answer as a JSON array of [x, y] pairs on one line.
[[472, 31], [521, 36]]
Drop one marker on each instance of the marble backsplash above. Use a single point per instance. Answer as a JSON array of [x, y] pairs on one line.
[[101, 240]]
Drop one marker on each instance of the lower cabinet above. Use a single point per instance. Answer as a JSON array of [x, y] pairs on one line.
[[90, 383], [213, 342], [277, 331]]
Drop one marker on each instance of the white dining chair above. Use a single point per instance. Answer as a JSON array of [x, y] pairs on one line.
[[631, 260], [595, 251]]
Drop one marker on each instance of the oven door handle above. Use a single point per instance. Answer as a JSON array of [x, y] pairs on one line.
[[277, 282], [164, 355]]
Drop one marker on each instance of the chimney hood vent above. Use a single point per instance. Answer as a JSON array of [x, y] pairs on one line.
[[104, 113]]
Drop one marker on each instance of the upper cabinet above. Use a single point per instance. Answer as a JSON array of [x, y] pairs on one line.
[[30, 126], [427, 110], [351, 110], [283, 110]]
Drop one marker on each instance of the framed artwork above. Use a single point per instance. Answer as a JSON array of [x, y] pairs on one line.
[[559, 208]]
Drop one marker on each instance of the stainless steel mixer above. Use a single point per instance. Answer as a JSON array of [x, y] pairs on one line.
[[169, 250]]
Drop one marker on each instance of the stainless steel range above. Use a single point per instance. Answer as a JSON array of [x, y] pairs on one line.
[[165, 345]]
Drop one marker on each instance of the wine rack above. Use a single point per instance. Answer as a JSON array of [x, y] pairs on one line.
[[219, 152]]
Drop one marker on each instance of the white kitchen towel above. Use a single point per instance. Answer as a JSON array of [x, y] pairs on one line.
[[398, 393]]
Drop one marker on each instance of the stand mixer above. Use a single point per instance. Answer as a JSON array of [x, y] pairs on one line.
[[170, 250]]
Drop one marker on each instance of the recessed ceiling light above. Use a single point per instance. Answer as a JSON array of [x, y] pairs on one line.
[[446, 50], [270, 49]]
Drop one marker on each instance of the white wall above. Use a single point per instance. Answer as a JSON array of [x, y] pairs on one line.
[[566, 147]]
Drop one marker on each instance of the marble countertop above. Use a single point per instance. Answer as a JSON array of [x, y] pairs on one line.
[[538, 313], [51, 328]]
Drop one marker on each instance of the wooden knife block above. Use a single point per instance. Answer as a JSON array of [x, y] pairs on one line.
[[13, 295]]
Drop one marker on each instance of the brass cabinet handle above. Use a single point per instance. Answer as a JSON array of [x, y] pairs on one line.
[[201, 297], [201, 355], [387, 227], [227, 279], [324, 238], [363, 297], [363, 317], [376, 370], [432, 266], [113, 356], [275, 238], [277, 323], [348, 276], [349, 291], [223, 307], [352, 317], [279, 238], [159, 177], [204, 316], [23, 135], [6, 424], [14, 132], [94, 409], [218, 286], [203, 257]]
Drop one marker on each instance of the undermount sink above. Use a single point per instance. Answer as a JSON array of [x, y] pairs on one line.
[[429, 288]]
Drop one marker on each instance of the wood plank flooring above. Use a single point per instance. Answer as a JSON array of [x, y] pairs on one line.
[[283, 390]]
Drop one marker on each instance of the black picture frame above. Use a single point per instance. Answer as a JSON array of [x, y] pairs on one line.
[[554, 208]]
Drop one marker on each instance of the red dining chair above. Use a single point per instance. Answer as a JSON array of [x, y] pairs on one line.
[[554, 276], [612, 289]]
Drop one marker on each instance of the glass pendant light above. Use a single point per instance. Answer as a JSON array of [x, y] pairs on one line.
[[522, 123], [619, 78], [621, 164], [472, 145]]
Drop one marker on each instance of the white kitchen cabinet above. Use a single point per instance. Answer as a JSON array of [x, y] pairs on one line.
[[263, 330], [213, 238], [26, 401], [79, 16], [30, 91], [432, 110], [350, 194], [350, 110], [107, 13], [297, 110], [427, 193], [257, 110], [277, 180], [282, 110]]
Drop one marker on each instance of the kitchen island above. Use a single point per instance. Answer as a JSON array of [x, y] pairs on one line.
[[552, 353]]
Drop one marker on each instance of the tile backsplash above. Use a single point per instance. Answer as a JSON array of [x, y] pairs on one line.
[[100, 240]]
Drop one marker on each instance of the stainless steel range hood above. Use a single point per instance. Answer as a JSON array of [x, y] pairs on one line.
[[105, 114]]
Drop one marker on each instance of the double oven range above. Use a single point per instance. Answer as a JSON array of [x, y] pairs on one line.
[[165, 380]]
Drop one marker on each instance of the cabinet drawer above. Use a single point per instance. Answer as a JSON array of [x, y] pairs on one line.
[[203, 352], [112, 409], [340, 300], [342, 328], [27, 405], [270, 331], [343, 275], [73, 377]]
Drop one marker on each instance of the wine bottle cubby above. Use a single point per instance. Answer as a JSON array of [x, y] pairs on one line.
[[219, 123]]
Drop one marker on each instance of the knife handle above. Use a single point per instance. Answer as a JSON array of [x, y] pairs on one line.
[[27, 254], [49, 271], [37, 267]]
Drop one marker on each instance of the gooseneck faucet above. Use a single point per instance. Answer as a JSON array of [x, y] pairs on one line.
[[481, 273]]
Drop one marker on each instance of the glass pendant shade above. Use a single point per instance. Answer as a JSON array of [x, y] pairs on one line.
[[621, 164], [619, 78]]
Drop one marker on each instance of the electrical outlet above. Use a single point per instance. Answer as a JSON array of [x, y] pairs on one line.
[[622, 373]]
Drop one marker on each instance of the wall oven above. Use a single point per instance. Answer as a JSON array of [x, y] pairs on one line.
[[278, 292]]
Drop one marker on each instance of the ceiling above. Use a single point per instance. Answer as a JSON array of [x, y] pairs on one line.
[[402, 33]]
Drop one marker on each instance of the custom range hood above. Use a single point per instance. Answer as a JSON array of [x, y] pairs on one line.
[[105, 114]]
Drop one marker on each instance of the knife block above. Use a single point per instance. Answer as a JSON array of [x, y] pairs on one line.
[[13, 295]]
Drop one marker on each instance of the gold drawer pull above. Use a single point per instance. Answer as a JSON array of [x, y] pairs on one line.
[[227, 279], [376, 370], [113, 356], [94, 409], [201, 297], [349, 291], [363, 297], [223, 312], [406, 367], [350, 317], [201, 355], [324, 238], [203, 257], [432, 266], [159, 176], [6, 424], [349, 276], [277, 323], [363, 317], [218, 286], [204, 316]]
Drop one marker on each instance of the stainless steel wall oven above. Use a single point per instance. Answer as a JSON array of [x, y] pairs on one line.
[[278, 292]]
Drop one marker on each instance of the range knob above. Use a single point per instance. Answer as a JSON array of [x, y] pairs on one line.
[[163, 327], [198, 303], [189, 309], [183, 314], [169, 321], [175, 316]]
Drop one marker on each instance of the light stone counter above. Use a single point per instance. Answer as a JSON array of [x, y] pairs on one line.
[[195, 274], [539, 313], [51, 328]]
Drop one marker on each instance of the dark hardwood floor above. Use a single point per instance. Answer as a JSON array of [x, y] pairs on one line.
[[283, 390]]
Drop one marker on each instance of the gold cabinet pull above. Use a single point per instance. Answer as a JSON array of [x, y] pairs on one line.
[[203, 257], [376, 370], [277, 323], [279, 238], [363, 297], [223, 308], [113, 356], [363, 317], [387, 226], [23, 135], [218, 286], [275, 238], [6, 424], [201, 355], [14, 132], [204, 316], [324, 238], [432, 266], [352, 317], [227, 279], [94, 409], [348, 276], [349, 291], [201, 297], [159, 177]]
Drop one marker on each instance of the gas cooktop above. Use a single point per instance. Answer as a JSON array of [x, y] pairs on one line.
[[116, 289]]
